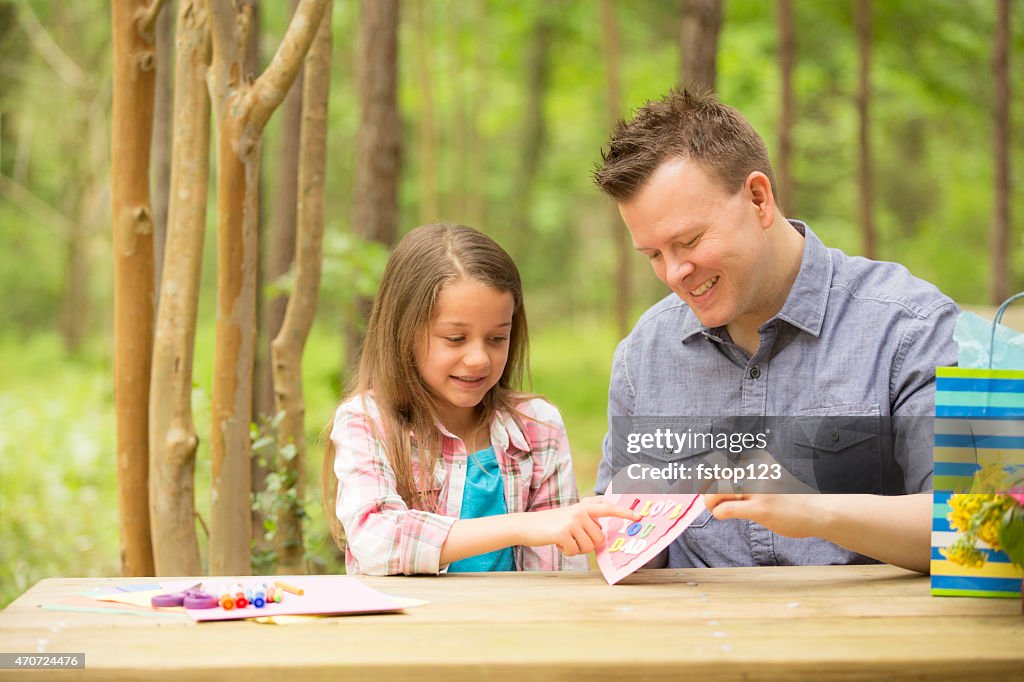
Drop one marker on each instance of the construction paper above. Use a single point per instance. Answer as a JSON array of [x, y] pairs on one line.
[[82, 604], [629, 545], [135, 598], [324, 595]]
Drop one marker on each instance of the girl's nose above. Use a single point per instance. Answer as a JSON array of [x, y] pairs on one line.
[[476, 357]]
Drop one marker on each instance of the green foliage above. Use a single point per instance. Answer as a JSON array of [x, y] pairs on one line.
[[58, 497], [352, 269], [279, 495]]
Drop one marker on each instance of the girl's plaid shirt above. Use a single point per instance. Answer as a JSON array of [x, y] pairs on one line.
[[386, 537]]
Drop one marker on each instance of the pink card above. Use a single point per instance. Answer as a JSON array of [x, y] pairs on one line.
[[323, 595], [629, 545]]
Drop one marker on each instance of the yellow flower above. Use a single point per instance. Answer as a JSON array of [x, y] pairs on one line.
[[978, 517], [964, 554]]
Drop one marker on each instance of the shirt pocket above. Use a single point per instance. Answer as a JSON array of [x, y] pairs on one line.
[[840, 448], [429, 490]]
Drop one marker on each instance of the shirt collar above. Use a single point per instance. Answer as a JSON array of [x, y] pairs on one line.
[[505, 432], [805, 305]]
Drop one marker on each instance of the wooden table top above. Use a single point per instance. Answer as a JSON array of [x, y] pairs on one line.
[[835, 622]]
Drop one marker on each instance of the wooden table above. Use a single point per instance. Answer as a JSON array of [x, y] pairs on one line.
[[820, 623]]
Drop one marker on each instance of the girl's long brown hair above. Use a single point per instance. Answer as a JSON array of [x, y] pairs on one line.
[[423, 262]]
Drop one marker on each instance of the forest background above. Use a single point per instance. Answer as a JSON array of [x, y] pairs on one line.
[[503, 110]]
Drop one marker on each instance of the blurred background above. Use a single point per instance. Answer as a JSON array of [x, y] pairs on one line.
[[883, 119]]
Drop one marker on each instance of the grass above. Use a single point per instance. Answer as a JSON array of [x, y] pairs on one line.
[[58, 473]]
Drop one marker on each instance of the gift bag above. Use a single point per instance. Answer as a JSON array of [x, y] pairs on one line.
[[979, 431]]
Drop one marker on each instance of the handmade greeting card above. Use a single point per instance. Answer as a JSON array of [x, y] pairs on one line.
[[631, 544]]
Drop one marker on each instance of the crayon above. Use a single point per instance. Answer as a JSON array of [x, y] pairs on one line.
[[290, 588]]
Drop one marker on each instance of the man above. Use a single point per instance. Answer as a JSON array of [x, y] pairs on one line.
[[765, 321]]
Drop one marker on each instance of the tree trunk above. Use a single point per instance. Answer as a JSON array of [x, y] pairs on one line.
[[787, 59], [378, 143], [298, 320], [1000, 247], [862, 19], [475, 94], [698, 39], [537, 75], [620, 237], [241, 108], [430, 203], [277, 259], [279, 233], [161, 143], [90, 216], [172, 432], [131, 214]]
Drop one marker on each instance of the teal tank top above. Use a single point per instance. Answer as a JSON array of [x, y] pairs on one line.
[[484, 495]]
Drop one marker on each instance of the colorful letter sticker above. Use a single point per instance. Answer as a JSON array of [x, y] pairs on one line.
[[629, 545]]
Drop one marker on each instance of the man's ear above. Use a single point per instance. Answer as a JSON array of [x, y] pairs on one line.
[[759, 189]]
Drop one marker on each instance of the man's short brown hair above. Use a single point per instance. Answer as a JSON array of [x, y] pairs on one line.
[[683, 124]]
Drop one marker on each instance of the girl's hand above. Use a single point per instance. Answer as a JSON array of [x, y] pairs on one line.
[[573, 529]]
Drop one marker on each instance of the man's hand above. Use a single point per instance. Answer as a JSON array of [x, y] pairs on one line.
[[797, 516]]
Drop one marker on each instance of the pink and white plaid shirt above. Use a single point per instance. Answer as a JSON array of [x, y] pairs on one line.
[[386, 537]]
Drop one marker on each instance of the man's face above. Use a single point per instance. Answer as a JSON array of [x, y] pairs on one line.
[[708, 246]]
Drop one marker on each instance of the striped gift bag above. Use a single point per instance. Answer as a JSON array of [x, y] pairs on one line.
[[979, 421]]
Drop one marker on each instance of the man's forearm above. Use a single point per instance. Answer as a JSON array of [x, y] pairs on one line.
[[893, 529]]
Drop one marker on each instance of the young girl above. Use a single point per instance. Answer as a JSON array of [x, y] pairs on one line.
[[436, 463]]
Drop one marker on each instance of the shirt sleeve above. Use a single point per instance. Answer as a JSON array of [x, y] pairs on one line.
[[928, 343], [384, 535], [621, 402], [553, 485]]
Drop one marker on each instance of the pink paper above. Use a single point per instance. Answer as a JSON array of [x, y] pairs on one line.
[[324, 595], [629, 545]]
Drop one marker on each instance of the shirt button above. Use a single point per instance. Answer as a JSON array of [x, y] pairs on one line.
[[755, 372], [835, 436]]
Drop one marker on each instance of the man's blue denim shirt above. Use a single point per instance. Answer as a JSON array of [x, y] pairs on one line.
[[854, 337]]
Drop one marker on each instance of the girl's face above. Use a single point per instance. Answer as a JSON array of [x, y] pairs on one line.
[[464, 351]]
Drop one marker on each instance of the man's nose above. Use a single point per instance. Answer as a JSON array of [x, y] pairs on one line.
[[677, 270]]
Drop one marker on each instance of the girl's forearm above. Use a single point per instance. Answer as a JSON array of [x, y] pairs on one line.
[[469, 537]]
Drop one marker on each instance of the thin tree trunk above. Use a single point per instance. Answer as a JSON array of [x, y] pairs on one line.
[[378, 143], [279, 233], [1000, 248], [430, 203], [289, 343], [90, 217], [172, 432], [698, 39], [74, 299], [276, 260], [161, 144], [132, 218], [620, 237], [862, 20], [241, 110], [787, 60], [473, 95], [534, 133]]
